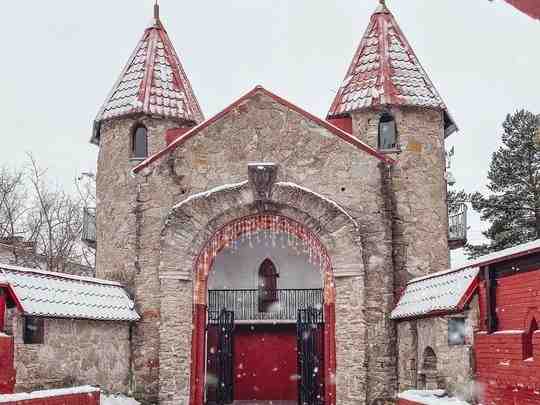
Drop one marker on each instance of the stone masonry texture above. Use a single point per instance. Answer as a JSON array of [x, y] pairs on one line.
[[397, 229], [74, 352]]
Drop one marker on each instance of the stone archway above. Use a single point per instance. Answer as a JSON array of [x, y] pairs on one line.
[[194, 225]]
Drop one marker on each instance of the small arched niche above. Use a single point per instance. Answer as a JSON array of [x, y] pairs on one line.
[[387, 137], [429, 376], [528, 346]]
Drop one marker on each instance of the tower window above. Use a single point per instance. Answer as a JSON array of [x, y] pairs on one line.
[[387, 132], [33, 332], [139, 144], [528, 348], [268, 294]]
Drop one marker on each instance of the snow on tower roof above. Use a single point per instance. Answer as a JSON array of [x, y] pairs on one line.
[[153, 82], [58, 295], [451, 290], [385, 71]]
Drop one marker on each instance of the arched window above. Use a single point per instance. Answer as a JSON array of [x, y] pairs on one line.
[[268, 295], [139, 143], [528, 348], [387, 132]]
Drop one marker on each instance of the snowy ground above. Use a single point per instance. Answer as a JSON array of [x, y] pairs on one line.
[[117, 399], [430, 398]]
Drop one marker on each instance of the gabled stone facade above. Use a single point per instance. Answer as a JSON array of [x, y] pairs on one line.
[[381, 218]]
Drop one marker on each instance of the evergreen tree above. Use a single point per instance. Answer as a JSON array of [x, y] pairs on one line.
[[512, 206]]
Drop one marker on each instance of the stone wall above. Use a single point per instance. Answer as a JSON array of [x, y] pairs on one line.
[[455, 365], [400, 211], [417, 196], [126, 238], [264, 130], [75, 352]]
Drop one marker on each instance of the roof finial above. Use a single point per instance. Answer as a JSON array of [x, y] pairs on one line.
[[156, 11]]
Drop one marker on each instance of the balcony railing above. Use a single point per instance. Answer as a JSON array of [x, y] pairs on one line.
[[89, 227], [457, 227], [246, 303]]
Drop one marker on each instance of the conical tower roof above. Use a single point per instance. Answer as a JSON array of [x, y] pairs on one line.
[[153, 83], [385, 72]]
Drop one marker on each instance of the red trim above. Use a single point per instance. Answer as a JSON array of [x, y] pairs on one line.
[[467, 297], [344, 123], [146, 84], [12, 296], [198, 348], [330, 354], [325, 124]]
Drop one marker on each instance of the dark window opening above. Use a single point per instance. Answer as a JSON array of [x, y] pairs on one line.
[[387, 132], [33, 331], [456, 331], [528, 347], [140, 143], [268, 294]]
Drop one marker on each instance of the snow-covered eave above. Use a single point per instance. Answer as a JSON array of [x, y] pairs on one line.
[[492, 258], [80, 318], [59, 275]]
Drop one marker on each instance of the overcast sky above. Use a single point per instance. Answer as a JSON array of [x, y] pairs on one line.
[[60, 58]]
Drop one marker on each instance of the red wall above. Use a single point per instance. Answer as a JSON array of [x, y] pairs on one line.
[[90, 398], [405, 402], [505, 377], [7, 370], [265, 362]]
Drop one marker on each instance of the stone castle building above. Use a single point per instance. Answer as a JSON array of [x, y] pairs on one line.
[[265, 243]]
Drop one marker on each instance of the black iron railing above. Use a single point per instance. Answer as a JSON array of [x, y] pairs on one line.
[[89, 227], [457, 226], [245, 303]]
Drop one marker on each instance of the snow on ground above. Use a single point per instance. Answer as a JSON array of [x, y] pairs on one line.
[[117, 399], [430, 398], [24, 396]]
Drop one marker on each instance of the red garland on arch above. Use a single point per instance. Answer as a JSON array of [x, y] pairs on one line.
[[227, 235]]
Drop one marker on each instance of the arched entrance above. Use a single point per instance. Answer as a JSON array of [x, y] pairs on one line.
[[304, 311]]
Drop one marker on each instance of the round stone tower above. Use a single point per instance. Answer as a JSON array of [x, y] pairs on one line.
[[390, 103], [152, 95]]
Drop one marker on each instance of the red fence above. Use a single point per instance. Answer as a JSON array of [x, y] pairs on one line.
[[69, 396], [7, 371]]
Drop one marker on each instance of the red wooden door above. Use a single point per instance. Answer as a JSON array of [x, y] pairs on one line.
[[265, 363]]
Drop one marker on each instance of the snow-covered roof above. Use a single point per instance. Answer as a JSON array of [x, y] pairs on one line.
[[58, 295], [153, 82], [27, 396], [386, 71], [441, 293], [450, 290]]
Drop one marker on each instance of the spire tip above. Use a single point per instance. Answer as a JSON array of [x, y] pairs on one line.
[[156, 10]]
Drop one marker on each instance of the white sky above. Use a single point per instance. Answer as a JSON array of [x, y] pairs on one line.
[[61, 58]]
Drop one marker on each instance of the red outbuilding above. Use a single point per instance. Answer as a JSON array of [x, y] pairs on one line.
[[507, 345]]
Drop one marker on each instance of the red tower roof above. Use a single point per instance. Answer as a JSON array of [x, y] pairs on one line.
[[385, 71], [153, 82]]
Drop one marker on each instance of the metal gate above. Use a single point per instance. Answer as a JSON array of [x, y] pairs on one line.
[[310, 334], [220, 366]]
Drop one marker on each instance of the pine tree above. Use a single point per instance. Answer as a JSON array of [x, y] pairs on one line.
[[512, 206]]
